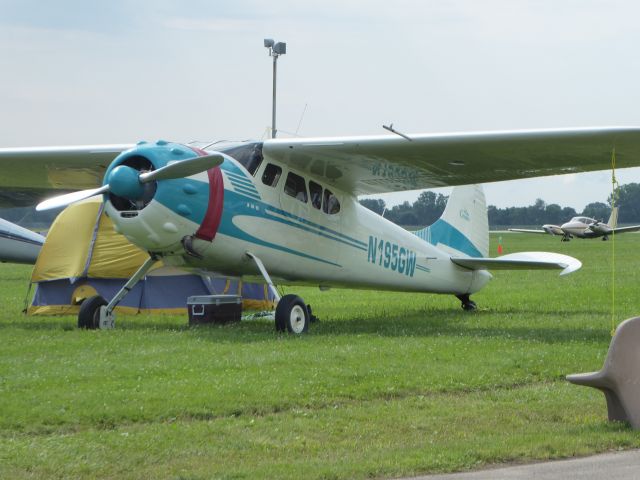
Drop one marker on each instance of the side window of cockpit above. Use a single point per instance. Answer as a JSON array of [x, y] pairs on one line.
[[315, 191], [295, 187], [330, 203], [271, 174]]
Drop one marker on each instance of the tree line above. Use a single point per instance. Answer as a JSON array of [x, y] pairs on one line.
[[429, 207]]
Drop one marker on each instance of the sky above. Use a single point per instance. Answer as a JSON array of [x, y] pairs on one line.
[[76, 72]]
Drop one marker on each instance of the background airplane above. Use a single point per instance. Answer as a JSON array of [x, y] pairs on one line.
[[288, 209], [17, 244], [583, 227]]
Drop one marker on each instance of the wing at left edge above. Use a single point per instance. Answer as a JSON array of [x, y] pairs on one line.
[[522, 261], [28, 175]]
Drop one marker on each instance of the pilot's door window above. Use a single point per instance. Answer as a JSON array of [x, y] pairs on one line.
[[295, 187], [271, 175]]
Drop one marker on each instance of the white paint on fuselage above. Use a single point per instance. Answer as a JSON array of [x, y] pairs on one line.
[[300, 251]]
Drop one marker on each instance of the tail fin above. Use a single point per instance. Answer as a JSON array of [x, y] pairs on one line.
[[613, 219], [463, 227]]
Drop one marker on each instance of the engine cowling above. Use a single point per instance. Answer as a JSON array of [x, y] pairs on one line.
[[156, 215]]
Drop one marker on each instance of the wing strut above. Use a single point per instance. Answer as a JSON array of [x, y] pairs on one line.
[[264, 273]]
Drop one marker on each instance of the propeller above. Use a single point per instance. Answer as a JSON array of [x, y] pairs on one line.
[[128, 182]]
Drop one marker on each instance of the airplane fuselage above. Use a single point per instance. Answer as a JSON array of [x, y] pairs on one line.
[[304, 231]]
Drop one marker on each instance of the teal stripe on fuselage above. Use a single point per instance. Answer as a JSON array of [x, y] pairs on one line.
[[243, 182], [317, 226], [232, 170], [238, 207], [251, 195], [171, 195], [247, 185], [240, 188], [307, 229], [447, 234]]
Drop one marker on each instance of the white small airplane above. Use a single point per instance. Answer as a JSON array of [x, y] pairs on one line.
[[18, 244], [287, 209], [583, 227]]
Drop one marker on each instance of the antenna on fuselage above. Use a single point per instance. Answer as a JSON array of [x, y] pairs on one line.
[[393, 130], [304, 110]]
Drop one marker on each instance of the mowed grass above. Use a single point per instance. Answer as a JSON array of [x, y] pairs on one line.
[[386, 385]]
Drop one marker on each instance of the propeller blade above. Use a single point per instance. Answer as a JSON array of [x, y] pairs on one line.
[[69, 198], [182, 169]]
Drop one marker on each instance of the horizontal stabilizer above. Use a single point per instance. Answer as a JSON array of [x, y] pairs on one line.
[[522, 261]]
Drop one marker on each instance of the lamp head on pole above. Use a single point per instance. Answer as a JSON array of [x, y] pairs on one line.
[[275, 49]]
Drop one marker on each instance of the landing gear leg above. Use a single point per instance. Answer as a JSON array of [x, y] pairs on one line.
[[467, 303], [96, 313], [292, 314]]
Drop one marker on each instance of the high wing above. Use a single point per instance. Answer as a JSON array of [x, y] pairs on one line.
[[359, 165], [29, 174], [378, 164], [522, 261]]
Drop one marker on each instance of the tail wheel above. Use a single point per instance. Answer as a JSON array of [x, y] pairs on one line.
[[469, 306], [467, 303], [292, 315], [89, 316]]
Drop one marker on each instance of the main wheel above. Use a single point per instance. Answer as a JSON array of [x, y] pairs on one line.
[[292, 315], [89, 316]]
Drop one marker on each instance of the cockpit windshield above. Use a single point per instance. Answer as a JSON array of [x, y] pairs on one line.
[[249, 155]]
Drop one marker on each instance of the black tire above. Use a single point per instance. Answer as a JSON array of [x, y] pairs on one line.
[[89, 316], [292, 315], [469, 306]]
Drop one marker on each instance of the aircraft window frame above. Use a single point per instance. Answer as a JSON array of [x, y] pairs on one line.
[[276, 176], [316, 196], [249, 155], [299, 188], [327, 197]]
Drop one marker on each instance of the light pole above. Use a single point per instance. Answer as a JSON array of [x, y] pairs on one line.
[[275, 50]]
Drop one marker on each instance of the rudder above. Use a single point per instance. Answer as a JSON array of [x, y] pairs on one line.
[[464, 225]]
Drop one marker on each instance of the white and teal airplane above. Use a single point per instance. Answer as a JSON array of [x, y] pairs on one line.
[[287, 209]]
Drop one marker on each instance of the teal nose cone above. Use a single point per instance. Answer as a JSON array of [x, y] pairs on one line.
[[124, 182]]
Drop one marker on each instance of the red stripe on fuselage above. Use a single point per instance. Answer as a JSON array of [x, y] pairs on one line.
[[213, 216]]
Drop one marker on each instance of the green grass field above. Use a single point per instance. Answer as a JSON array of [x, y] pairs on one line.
[[385, 385]]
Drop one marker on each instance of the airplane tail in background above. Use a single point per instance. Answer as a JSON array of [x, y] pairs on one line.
[[463, 227], [613, 219]]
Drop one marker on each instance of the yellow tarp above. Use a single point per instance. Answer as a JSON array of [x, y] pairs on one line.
[[73, 236], [64, 254], [113, 255], [83, 243]]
